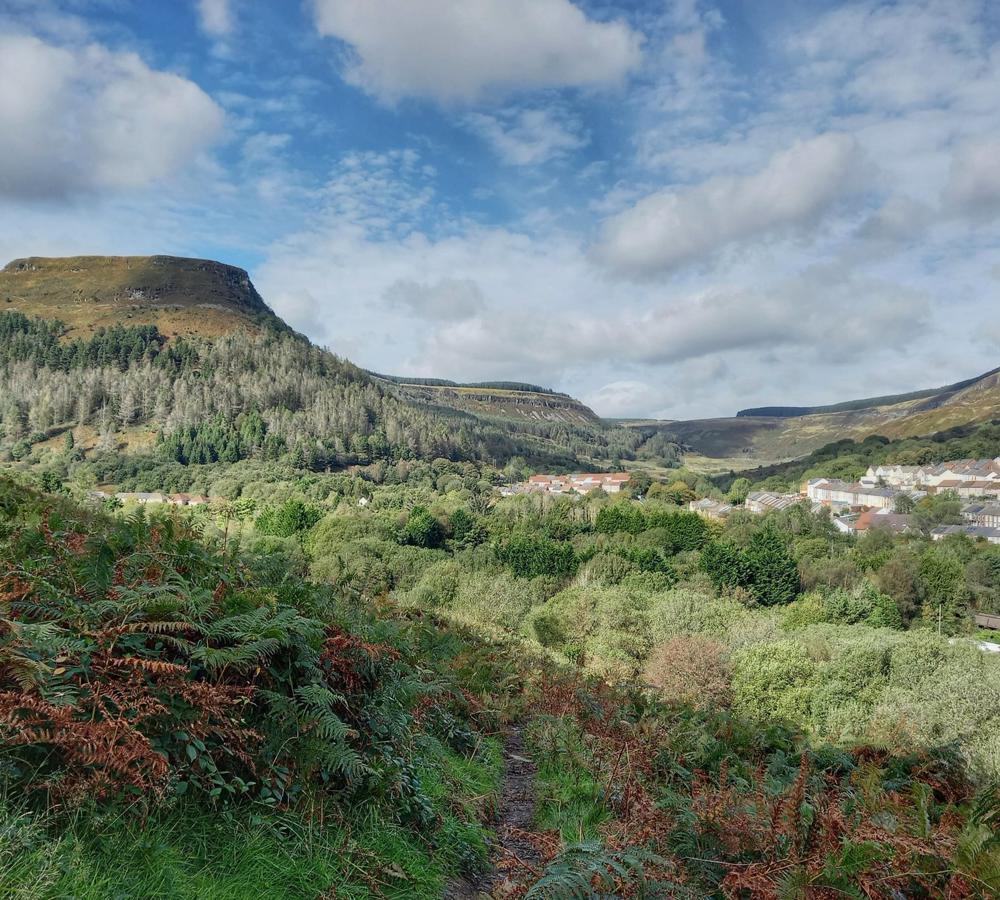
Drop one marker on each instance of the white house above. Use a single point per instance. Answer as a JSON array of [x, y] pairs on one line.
[[832, 492]]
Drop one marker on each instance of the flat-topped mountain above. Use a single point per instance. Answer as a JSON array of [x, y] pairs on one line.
[[178, 295]]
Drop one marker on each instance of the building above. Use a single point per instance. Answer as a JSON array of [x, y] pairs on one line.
[[580, 483], [710, 509], [187, 499], [892, 476], [976, 532], [884, 519], [966, 477], [986, 514], [765, 501], [831, 492]]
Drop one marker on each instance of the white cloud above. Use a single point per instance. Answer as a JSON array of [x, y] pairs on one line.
[[215, 17], [674, 226], [86, 118], [528, 137], [459, 50], [624, 399], [448, 299], [974, 183]]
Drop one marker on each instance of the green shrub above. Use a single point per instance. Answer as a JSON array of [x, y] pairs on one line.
[[529, 556], [498, 600], [292, 517], [608, 625], [682, 612], [774, 681], [422, 529]]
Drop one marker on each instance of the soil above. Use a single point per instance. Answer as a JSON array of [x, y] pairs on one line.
[[514, 816]]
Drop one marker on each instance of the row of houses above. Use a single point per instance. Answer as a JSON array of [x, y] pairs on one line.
[[966, 477], [976, 532], [154, 497], [836, 493], [985, 514], [575, 483]]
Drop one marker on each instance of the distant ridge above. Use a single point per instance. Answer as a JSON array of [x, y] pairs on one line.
[[504, 400], [769, 435], [444, 382], [868, 403]]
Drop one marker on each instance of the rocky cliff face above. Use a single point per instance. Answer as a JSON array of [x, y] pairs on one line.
[[504, 403]]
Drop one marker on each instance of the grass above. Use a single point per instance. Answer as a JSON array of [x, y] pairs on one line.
[[180, 296], [569, 799], [195, 853]]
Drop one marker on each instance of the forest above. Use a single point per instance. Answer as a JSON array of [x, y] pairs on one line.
[[269, 395]]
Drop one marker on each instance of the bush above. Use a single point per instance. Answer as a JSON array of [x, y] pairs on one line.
[[864, 605], [136, 662], [606, 624], [774, 681], [685, 612], [691, 669], [292, 517], [766, 567], [528, 556], [499, 600], [422, 529]]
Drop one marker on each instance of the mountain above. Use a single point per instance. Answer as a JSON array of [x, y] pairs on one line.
[[503, 400], [775, 433], [180, 296], [182, 359]]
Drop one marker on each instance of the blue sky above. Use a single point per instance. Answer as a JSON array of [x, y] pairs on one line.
[[665, 208]]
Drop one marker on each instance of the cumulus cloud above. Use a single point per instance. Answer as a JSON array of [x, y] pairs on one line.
[[86, 118], [215, 17], [674, 226], [528, 137], [457, 50], [974, 184], [624, 399], [872, 315], [448, 299]]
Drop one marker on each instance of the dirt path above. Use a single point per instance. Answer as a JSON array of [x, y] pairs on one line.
[[517, 808]]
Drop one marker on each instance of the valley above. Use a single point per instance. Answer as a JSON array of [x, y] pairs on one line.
[[508, 649]]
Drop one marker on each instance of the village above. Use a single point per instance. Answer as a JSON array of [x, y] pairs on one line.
[[144, 498], [883, 497]]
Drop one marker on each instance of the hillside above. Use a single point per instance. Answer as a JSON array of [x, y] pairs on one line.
[[180, 296], [497, 400], [418, 701], [768, 435], [169, 358]]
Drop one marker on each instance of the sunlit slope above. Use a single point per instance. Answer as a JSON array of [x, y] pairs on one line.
[[180, 296]]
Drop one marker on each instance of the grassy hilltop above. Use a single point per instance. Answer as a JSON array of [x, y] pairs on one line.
[[180, 296]]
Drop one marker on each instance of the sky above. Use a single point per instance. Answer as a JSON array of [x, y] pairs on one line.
[[670, 209]]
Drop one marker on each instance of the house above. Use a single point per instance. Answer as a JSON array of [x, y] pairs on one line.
[[891, 476], [882, 518], [187, 499], [764, 501], [710, 509], [832, 492], [581, 483], [976, 532], [985, 514]]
